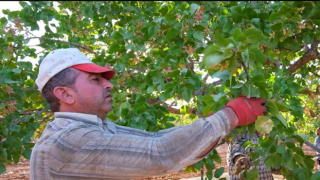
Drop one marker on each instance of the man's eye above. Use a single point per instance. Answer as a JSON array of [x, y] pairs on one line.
[[96, 79]]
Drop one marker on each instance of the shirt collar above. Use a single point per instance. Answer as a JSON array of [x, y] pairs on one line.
[[86, 118]]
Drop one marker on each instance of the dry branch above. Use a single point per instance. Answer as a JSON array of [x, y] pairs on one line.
[[310, 55]]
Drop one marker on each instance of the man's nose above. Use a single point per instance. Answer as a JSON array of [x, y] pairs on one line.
[[107, 84]]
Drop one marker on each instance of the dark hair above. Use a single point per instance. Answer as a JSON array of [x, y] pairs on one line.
[[67, 78]]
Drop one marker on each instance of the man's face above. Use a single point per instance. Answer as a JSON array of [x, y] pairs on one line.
[[92, 94], [318, 132]]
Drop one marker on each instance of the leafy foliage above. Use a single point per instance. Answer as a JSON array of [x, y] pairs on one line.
[[165, 53]]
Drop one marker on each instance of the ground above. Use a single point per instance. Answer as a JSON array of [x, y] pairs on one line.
[[21, 170]]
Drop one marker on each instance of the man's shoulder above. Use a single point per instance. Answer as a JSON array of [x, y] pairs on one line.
[[65, 123]]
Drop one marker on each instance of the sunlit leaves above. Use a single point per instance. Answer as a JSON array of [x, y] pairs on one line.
[[263, 124]]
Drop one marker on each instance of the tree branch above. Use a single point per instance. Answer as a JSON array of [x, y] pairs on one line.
[[310, 55], [310, 93], [65, 42], [177, 111], [314, 73], [39, 111], [30, 88], [245, 69], [308, 143]]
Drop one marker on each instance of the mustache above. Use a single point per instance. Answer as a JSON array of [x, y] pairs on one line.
[[105, 92]]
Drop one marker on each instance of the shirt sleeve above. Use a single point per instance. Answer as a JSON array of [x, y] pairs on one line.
[[317, 144], [124, 153]]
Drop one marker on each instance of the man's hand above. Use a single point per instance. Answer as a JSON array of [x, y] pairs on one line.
[[247, 109], [241, 163]]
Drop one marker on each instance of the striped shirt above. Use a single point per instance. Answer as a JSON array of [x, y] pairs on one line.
[[82, 146], [317, 144], [236, 148]]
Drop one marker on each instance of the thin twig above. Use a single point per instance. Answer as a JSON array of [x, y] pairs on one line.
[[245, 69], [65, 42]]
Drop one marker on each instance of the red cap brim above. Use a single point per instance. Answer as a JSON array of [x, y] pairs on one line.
[[93, 68]]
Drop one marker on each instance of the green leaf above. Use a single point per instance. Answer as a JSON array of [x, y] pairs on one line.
[[198, 35], [253, 35], [215, 156], [281, 107], [152, 32], [263, 124], [174, 73], [15, 128], [222, 75], [252, 174], [290, 145], [272, 107], [27, 154], [175, 50], [233, 63], [263, 92], [3, 22], [187, 94], [150, 89], [129, 46], [172, 33], [250, 91], [219, 172], [2, 168], [236, 13], [207, 110], [114, 48], [16, 70], [238, 35], [193, 8], [208, 99], [274, 16], [218, 96], [10, 81], [282, 119], [227, 27], [34, 26], [263, 16], [221, 41], [256, 55], [281, 149], [316, 176], [209, 164], [245, 56], [251, 129], [23, 4], [212, 56], [184, 5], [170, 17]]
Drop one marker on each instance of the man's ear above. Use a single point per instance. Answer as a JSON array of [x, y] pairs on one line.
[[64, 94]]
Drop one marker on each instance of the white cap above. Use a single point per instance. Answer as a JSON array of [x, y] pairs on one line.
[[60, 59]]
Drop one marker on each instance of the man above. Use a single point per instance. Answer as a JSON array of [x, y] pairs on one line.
[[238, 158], [317, 144], [81, 144]]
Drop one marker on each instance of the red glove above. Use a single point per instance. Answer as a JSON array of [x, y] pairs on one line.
[[247, 109]]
